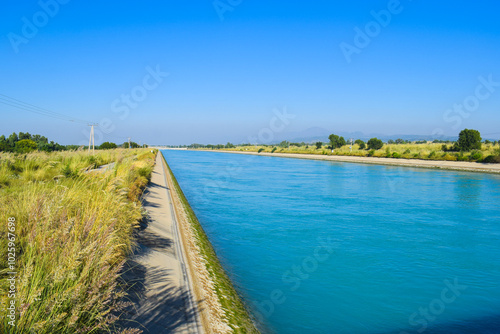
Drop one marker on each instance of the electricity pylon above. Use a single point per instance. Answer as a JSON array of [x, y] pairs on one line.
[[91, 137]]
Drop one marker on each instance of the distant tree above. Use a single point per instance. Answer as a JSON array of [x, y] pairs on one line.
[[132, 144], [469, 139], [399, 141], [319, 144], [487, 142], [23, 135], [284, 144], [4, 144], [13, 139], [107, 146], [336, 141], [361, 144], [375, 144], [390, 141], [229, 145], [25, 146]]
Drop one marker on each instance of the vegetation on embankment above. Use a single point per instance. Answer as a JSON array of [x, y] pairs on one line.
[[73, 230], [468, 147], [235, 313], [423, 151]]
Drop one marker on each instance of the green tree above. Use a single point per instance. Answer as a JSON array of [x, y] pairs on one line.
[[361, 144], [375, 144], [469, 139], [319, 144], [229, 145], [23, 135], [336, 141], [284, 144], [13, 139], [107, 146], [25, 146]]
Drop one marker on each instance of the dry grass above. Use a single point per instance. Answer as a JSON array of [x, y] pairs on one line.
[[73, 231]]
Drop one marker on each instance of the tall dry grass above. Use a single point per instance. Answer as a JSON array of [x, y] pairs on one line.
[[74, 229]]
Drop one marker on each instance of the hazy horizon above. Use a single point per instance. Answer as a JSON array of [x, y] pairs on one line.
[[217, 71]]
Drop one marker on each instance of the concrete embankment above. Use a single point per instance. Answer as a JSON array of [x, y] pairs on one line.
[[433, 164]]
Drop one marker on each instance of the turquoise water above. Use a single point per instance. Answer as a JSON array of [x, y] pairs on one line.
[[324, 247]]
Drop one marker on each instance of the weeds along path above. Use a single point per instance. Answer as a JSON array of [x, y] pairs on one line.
[[72, 232]]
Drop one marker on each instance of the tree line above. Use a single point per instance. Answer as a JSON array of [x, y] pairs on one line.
[[24, 142]]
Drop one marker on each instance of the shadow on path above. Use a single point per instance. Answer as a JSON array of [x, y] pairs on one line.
[[163, 312]]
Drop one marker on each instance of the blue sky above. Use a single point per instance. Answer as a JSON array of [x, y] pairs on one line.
[[227, 77]]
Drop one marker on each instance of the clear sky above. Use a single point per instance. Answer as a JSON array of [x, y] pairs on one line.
[[408, 67]]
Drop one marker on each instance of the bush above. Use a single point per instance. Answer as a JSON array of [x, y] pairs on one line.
[[107, 146], [476, 155], [274, 149], [260, 150], [492, 159], [68, 172], [460, 157], [432, 155], [371, 153], [396, 155], [318, 145], [407, 151], [375, 144]]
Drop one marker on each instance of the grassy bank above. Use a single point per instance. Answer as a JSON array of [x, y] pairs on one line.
[[427, 151], [73, 230], [235, 314]]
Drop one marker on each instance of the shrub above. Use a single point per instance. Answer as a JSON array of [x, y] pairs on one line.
[[432, 155], [460, 157], [396, 155], [407, 151], [68, 172], [318, 145], [260, 150], [476, 155], [371, 153], [274, 149], [492, 159], [449, 157]]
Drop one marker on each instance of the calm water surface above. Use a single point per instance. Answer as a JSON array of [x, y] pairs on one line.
[[327, 247]]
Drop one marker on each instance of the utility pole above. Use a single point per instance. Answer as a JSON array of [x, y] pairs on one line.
[[129, 146], [350, 147], [91, 138]]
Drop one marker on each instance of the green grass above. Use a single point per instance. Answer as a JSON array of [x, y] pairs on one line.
[[428, 151], [74, 229], [236, 314]]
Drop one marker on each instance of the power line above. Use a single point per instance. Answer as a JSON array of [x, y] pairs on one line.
[[10, 101]]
